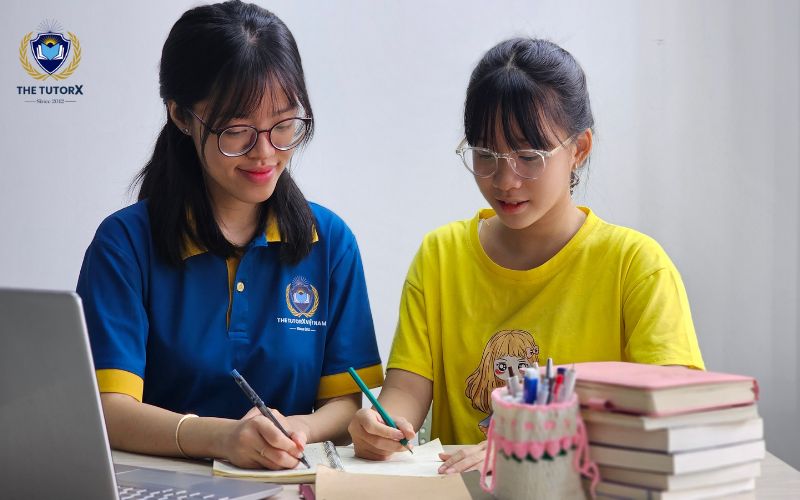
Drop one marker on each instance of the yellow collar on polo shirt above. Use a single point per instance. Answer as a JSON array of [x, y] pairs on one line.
[[272, 235]]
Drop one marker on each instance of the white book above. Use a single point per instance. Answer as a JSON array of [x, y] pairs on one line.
[[677, 463], [678, 438], [732, 414], [677, 482], [615, 490]]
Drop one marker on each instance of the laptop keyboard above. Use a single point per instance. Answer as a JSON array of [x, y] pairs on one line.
[[143, 492], [141, 483]]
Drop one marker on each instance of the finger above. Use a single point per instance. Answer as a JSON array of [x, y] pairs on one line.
[[281, 458], [444, 456], [368, 431], [362, 440], [274, 437], [465, 459], [266, 463], [470, 462], [361, 452], [405, 427], [365, 449], [476, 466], [376, 427], [377, 447], [383, 445], [379, 444], [451, 460], [271, 459], [299, 438]]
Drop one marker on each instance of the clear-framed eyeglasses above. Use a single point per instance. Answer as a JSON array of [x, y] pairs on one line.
[[238, 140], [526, 163]]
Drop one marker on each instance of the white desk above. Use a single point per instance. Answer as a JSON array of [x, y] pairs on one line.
[[778, 479]]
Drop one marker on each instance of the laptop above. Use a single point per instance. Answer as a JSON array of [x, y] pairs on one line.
[[53, 441]]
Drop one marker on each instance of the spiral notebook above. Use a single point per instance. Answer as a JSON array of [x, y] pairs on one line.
[[423, 462], [317, 453]]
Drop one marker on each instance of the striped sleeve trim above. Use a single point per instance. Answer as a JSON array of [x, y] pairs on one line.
[[124, 382], [339, 384]]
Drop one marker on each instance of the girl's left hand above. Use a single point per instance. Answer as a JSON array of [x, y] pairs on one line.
[[465, 459]]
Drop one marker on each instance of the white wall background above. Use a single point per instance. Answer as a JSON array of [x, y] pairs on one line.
[[697, 114]]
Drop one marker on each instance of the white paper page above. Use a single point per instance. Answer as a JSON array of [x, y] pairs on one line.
[[424, 462]]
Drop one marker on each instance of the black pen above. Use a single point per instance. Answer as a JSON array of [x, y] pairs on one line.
[[258, 403]]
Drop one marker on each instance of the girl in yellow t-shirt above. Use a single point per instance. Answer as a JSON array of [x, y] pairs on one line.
[[533, 277]]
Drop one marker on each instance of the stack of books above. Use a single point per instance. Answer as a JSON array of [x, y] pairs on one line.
[[669, 432]]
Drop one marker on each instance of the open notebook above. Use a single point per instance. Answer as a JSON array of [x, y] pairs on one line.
[[424, 461]]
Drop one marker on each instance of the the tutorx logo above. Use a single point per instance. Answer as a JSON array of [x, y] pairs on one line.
[[50, 54]]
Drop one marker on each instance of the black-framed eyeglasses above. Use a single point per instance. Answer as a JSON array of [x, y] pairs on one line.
[[526, 163], [238, 140]]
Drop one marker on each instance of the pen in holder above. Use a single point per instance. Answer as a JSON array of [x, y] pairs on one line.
[[536, 451]]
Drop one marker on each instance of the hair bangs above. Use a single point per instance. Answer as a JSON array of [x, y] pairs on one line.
[[507, 104], [243, 85]]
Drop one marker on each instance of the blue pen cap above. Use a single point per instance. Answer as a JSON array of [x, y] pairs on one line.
[[531, 389]]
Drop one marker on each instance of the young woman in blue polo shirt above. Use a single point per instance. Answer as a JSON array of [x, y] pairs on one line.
[[223, 264]]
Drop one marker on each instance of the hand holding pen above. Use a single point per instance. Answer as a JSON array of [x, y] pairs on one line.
[[376, 435], [270, 414]]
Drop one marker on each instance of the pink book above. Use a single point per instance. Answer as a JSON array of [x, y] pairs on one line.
[[659, 390]]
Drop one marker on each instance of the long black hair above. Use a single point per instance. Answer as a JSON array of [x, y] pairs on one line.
[[529, 83], [233, 54]]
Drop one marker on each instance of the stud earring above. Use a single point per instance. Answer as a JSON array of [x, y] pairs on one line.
[[186, 131]]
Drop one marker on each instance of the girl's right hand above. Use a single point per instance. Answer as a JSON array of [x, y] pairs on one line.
[[254, 442], [373, 439]]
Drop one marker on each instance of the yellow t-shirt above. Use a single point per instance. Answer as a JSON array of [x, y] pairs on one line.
[[611, 294]]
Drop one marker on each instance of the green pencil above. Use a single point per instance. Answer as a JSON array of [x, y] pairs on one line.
[[385, 416]]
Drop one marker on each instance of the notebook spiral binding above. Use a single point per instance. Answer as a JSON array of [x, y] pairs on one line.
[[332, 455]]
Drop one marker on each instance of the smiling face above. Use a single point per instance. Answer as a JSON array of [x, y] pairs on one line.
[[249, 179], [521, 203], [502, 364]]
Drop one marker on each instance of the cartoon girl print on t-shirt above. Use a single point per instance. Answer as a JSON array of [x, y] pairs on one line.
[[506, 349]]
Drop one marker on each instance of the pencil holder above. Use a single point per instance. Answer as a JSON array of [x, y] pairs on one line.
[[536, 451]]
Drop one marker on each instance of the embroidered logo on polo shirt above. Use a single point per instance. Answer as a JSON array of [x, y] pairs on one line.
[[302, 298]]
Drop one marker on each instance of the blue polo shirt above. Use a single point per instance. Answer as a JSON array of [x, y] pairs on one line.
[[170, 335]]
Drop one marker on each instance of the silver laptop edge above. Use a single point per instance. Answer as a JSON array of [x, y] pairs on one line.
[[53, 442]]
